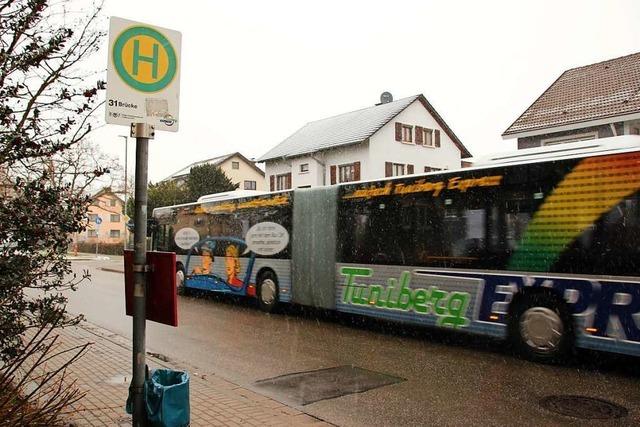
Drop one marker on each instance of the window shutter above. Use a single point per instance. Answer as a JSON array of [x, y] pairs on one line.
[[288, 181], [410, 169], [419, 135], [398, 131], [333, 174], [437, 136], [388, 169], [356, 171], [272, 183]]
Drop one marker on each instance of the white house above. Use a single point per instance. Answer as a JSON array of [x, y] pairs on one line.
[[392, 138]]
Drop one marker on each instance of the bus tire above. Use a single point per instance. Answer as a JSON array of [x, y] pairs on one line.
[[541, 328], [268, 292], [180, 279]]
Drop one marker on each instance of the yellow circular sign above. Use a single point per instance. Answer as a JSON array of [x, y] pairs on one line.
[[144, 59], [147, 72]]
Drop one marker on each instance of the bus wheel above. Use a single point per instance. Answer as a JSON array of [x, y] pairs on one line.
[[541, 328], [180, 280], [268, 292]]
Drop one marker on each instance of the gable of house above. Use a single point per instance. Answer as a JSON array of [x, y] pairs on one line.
[[237, 167], [588, 95]]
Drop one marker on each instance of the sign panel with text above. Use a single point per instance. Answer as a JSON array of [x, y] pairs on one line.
[[143, 75]]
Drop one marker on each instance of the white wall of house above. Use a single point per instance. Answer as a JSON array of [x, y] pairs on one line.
[[312, 178], [345, 155], [245, 172], [277, 167], [385, 148]]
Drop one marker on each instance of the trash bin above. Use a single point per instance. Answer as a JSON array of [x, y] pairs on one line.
[[166, 397]]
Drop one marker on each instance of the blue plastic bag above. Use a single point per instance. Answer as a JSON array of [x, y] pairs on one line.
[[166, 397]]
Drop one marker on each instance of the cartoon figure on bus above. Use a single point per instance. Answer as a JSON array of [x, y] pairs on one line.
[[206, 277], [207, 262], [232, 265]]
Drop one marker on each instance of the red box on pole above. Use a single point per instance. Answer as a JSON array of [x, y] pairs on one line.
[[162, 296]]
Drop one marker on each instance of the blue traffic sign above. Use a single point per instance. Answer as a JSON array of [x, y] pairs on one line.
[[98, 220]]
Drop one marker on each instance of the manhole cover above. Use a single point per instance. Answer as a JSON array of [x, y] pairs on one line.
[[312, 386], [583, 407]]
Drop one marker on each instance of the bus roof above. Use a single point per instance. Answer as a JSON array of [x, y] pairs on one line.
[[562, 151], [226, 195], [219, 197]]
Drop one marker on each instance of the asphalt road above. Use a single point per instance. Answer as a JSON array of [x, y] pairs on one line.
[[449, 379]]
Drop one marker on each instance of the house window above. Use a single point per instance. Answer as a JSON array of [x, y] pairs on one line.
[[304, 168], [249, 185], [398, 169], [430, 169], [235, 165], [115, 218], [114, 233], [346, 173], [92, 233], [281, 182], [92, 217], [407, 133], [112, 202], [569, 138], [427, 137]]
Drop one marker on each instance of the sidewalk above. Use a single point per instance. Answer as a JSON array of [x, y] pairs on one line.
[[104, 374]]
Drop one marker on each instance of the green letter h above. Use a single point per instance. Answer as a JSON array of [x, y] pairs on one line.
[[137, 58]]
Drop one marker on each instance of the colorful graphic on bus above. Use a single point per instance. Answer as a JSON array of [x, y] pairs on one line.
[[594, 187]]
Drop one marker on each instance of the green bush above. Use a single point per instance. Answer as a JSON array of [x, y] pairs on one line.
[[103, 248]]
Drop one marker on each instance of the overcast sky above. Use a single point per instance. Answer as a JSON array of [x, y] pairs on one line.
[[252, 73]]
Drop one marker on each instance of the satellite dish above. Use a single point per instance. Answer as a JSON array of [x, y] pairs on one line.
[[386, 97]]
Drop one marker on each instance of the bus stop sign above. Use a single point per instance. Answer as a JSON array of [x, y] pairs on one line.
[[143, 71]]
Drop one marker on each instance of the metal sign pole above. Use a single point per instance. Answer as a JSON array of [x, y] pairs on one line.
[[143, 133], [98, 222]]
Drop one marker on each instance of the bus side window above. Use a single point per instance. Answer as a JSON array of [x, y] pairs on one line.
[[465, 232], [613, 245]]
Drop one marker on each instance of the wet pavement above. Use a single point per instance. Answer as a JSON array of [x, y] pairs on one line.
[[448, 379]]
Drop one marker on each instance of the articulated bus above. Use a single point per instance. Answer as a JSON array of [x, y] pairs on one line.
[[541, 247]]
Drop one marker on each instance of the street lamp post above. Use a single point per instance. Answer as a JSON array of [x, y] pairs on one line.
[[124, 210]]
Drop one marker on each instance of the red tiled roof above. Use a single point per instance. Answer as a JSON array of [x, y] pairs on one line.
[[597, 91]]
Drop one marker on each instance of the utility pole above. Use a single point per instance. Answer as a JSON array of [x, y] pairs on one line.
[[142, 132], [124, 210]]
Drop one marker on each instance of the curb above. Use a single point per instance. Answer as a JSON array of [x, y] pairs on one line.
[[111, 270]]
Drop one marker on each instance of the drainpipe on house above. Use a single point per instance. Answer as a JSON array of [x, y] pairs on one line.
[[324, 170]]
